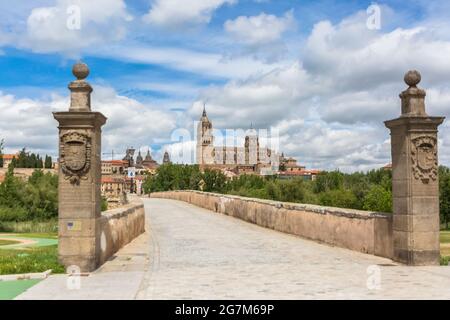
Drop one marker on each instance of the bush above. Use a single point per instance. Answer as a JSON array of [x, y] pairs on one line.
[[35, 199], [104, 205], [378, 199], [340, 198]]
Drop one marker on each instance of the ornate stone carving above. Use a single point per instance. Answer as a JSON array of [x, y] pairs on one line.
[[75, 156], [424, 158]]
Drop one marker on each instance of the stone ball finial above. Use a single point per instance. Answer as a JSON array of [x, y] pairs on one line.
[[412, 78], [80, 70]]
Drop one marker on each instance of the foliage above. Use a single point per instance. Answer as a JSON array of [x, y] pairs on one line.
[[35, 199], [31, 260], [104, 204], [378, 199], [342, 198], [173, 177], [370, 190], [1, 153], [327, 181], [214, 181], [29, 226], [444, 189]]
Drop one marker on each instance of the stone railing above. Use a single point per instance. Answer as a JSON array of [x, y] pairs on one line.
[[120, 226], [364, 231]]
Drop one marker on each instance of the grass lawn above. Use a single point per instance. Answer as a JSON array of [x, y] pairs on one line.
[[31, 259], [38, 235], [445, 247], [11, 289], [7, 242]]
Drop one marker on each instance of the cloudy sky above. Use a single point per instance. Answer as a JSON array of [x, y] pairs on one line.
[[324, 74]]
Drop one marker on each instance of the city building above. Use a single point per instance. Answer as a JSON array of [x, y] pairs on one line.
[[305, 174], [166, 158], [8, 158], [251, 158]]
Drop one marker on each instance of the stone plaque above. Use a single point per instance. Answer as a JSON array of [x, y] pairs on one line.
[[74, 226]]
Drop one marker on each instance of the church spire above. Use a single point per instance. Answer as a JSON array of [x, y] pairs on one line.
[[204, 110]]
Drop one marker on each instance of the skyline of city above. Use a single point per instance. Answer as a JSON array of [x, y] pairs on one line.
[[286, 64]]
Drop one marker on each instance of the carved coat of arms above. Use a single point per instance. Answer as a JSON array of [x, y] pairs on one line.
[[75, 156], [424, 158]]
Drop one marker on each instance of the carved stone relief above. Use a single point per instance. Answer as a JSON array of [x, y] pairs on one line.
[[75, 156], [424, 158]]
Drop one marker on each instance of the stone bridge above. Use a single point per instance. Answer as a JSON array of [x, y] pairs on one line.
[[193, 253], [235, 248]]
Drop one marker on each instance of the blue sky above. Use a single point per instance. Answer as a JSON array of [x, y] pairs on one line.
[[312, 70]]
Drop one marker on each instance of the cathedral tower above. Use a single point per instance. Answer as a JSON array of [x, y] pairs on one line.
[[205, 140]]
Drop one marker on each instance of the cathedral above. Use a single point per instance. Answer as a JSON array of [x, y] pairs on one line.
[[249, 158]]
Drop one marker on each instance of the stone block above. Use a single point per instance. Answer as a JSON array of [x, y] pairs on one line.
[[77, 246], [401, 239], [400, 205], [425, 205], [425, 240], [402, 222]]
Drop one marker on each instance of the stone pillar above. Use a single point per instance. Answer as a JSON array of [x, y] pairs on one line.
[[415, 184], [79, 176]]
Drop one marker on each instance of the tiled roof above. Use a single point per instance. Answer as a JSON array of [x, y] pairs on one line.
[[112, 180], [300, 173], [9, 156], [115, 162]]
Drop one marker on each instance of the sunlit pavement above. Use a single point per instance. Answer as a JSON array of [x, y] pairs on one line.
[[193, 253]]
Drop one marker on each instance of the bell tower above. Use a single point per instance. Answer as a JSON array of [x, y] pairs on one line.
[[205, 140]]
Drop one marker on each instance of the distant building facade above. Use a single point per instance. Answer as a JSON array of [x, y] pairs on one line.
[[8, 158], [166, 158], [251, 158]]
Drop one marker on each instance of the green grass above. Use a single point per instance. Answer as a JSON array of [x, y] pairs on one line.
[[445, 237], [50, 226], [445, 247], [30, 260], [11, 289], [47, 235], [8, 242]]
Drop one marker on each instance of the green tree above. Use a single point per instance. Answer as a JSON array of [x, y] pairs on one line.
[[23, 159], [378, 199], [48, 163], [291, 190], [340, 198], [215, 181], [444, 193], [1, 153], [327, 181], [173, 177]]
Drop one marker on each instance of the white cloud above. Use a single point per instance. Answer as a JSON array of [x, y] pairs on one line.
[[330, 106], [176, 13], [259, 30], [50, 29], [202, 63], [29, 123]]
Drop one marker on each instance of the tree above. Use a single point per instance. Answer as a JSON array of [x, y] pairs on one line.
[[340, 198], [378, 199], [1, 153], [22, 160], [215, 181], [327, 181], [444, 193], [48, 163], [292, 190]]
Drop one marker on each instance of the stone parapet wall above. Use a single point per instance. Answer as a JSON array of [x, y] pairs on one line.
[[120, 226], [364, 231]]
